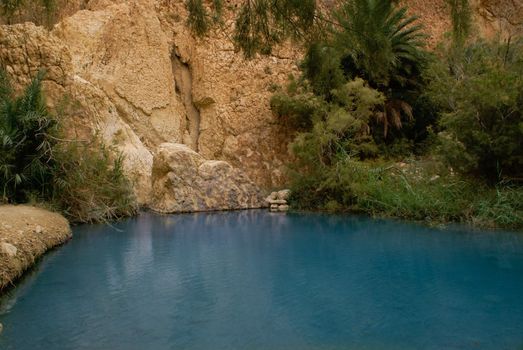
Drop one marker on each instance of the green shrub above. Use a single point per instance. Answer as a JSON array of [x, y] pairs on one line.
[[27, 139], [90, 185], [298, 111], [412, 192], [82, 181], [323, 70], [481, 99], [344, 129]]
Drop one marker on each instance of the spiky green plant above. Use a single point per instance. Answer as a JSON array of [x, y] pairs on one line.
[[85, 182], [26, 141], [380, 43]]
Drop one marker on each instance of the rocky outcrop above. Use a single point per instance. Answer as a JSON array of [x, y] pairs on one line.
[[183, 181], [25, 234]]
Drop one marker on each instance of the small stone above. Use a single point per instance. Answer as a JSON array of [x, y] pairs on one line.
[[1, 328], [8, 249], [38, 229], [283, 208]]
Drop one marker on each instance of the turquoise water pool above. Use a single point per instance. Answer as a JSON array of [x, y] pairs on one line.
[[252, 280]]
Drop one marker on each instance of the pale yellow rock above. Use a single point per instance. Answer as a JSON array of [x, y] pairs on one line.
[[283, 208], [183, 181], [8, 249]]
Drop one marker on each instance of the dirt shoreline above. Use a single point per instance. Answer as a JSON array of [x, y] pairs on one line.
[[26, 233]]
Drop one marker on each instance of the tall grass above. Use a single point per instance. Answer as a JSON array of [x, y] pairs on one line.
[[90, 184], [411, 192]]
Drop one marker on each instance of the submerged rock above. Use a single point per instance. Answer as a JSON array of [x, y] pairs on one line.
[[184, 181]]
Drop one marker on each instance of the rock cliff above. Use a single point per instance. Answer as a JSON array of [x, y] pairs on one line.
[[138, 77], [135, 75]]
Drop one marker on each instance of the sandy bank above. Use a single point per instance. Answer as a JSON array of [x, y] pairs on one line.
[[25, 234]]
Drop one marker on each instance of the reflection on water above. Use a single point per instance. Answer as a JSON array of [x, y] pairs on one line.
[[257, 280]]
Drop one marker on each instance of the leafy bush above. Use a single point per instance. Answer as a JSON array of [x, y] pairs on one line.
[[344, 131], [481, 99], [82, 181]]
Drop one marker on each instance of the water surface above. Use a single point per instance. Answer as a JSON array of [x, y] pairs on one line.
[[255, 280]]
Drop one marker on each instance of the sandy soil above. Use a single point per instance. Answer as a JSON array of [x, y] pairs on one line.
[[25, 234]]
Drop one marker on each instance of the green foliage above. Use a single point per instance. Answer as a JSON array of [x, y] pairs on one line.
[[82, 181], [260, 24], [375, 41], [380, 43], [90, 185], [26, 136], [197, 19], [34, 8], [357, 86], [322, 68], [298, 110], [481, 103], [9, 8], [343, 131], [411, 192], [461, 16]]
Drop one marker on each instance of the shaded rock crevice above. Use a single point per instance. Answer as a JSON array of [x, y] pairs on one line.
[[183, 80]]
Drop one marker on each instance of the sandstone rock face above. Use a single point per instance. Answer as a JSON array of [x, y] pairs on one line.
[[183, 181], [500, 16], [491, 17], [232, 95]]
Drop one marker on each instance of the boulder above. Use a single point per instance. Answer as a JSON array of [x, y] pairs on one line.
[[283, 208], [184, 181]]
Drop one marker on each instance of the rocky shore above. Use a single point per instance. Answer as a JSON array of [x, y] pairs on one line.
[[26, 233]]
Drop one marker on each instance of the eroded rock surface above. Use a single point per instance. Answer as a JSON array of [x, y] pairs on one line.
[[184, 181]]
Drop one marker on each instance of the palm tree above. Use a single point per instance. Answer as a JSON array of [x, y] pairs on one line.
[[380, 43]]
